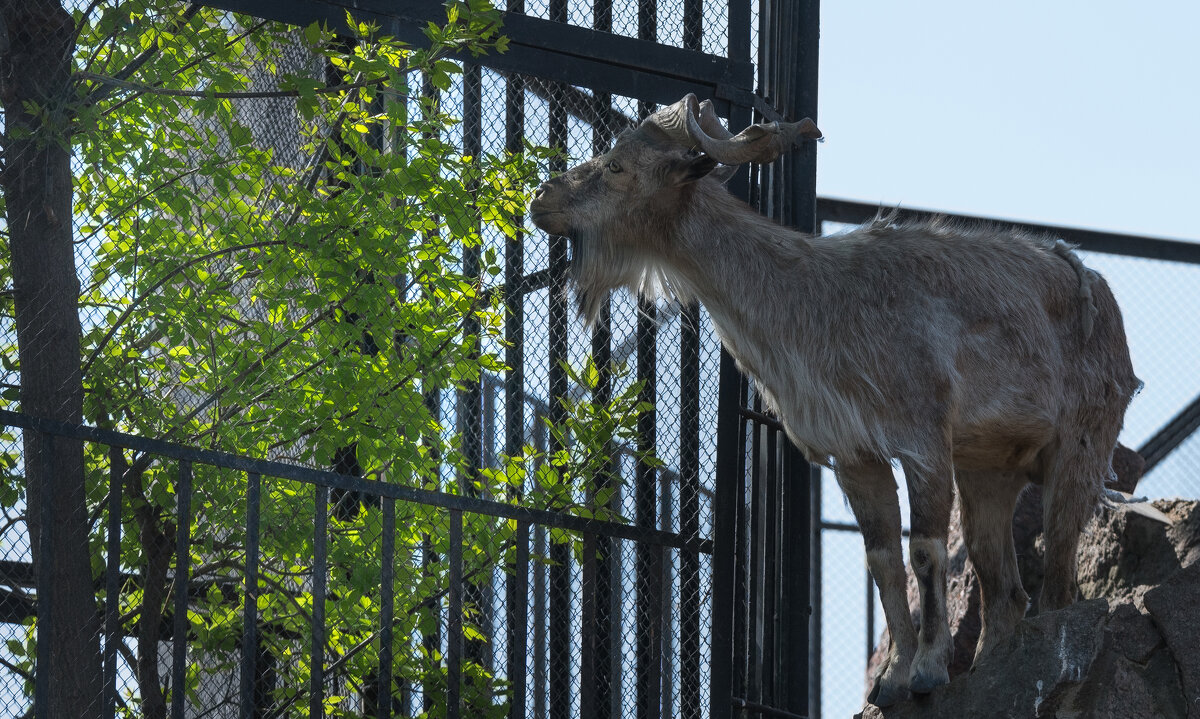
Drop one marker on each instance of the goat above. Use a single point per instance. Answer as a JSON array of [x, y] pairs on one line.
[[975, 356]]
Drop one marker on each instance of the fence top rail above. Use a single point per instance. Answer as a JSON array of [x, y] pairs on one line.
[[561, 52], [831, 209], [279, 470]]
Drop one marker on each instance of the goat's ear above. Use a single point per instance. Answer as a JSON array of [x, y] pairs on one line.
[[690, 169]]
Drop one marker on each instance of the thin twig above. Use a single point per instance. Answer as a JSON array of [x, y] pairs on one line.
[[235, 94], [188, 65], [158, 285], [134, 65]]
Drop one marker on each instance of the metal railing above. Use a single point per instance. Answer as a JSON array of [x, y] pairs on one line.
[[673, 613]]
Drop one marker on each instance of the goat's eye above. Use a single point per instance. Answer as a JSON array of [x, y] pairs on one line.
[[614, 166]]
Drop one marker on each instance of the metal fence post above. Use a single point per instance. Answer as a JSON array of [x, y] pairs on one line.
[[45, 581], [183, 552], [250, 602], [316, 684]]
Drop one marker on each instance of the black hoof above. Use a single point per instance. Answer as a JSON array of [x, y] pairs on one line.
[[884, 697], [926, 683]]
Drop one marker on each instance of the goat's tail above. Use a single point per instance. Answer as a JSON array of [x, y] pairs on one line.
[[1086, 277]]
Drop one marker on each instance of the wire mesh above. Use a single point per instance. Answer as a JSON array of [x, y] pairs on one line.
[[309, 247]]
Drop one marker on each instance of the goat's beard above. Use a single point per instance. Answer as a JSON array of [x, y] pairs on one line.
[[599, 265]]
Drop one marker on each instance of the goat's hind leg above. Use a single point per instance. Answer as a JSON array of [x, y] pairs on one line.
[[1072, 489], [987, 503], [871, 491]]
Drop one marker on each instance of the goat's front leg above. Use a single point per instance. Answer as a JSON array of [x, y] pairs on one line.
[[871, 491], [931, 494]]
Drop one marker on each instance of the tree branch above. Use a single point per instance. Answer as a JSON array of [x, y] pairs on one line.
[[238, 94], [106, 89], [162, 281]]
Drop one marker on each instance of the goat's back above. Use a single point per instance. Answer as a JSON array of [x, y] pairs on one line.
[[1004, 332]]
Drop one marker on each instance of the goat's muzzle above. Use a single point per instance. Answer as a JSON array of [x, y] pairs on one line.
[[545, 211]]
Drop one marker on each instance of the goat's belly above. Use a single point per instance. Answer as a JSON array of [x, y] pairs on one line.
[[1011, 445]]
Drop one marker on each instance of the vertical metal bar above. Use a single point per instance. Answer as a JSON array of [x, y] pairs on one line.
[[558, 605], [802, 90], [648, 638], [316, 678], [470, 398], [816, 567], [870, 609], [599, 653], [387, 601], [757, 567], [730, 483], [183, 555], [540, 643], [518, 622], [470, 418], [561, 640], [689, 459], [729, 523], [45, 579], [587, 619], [693, 24], [796, 570], [739, 31], [772, 561], [689, 513], [514, 271], [648, 635], [517, 581], [454, 635], [112, 582], [431, 641], [804, 35], [250, 604]]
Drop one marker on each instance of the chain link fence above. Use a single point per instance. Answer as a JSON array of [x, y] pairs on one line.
[[306, 244]]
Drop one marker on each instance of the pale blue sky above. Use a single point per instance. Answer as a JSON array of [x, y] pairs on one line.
[[1080, 113]]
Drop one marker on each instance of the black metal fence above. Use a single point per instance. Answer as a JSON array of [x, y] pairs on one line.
[[305, 244]]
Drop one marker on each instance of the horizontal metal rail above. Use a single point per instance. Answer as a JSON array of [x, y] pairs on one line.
[[279, 470], [764, 710], [849, 527], [1154, 248], [1172, 434], [579, 56], [763, 419]]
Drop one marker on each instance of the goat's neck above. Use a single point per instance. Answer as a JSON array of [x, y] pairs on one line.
[[729, 257]]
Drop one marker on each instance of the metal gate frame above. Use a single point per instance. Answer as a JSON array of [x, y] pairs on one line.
[[762, 589]]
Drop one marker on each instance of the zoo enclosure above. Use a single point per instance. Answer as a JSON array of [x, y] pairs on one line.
[[601, 619]]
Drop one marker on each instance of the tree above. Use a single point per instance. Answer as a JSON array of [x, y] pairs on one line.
[[38, 96], [268, 258], [227, 274]]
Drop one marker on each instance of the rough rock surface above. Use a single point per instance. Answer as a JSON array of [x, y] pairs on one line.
[[1140, 659], [1175, 607], [1032, 674]]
